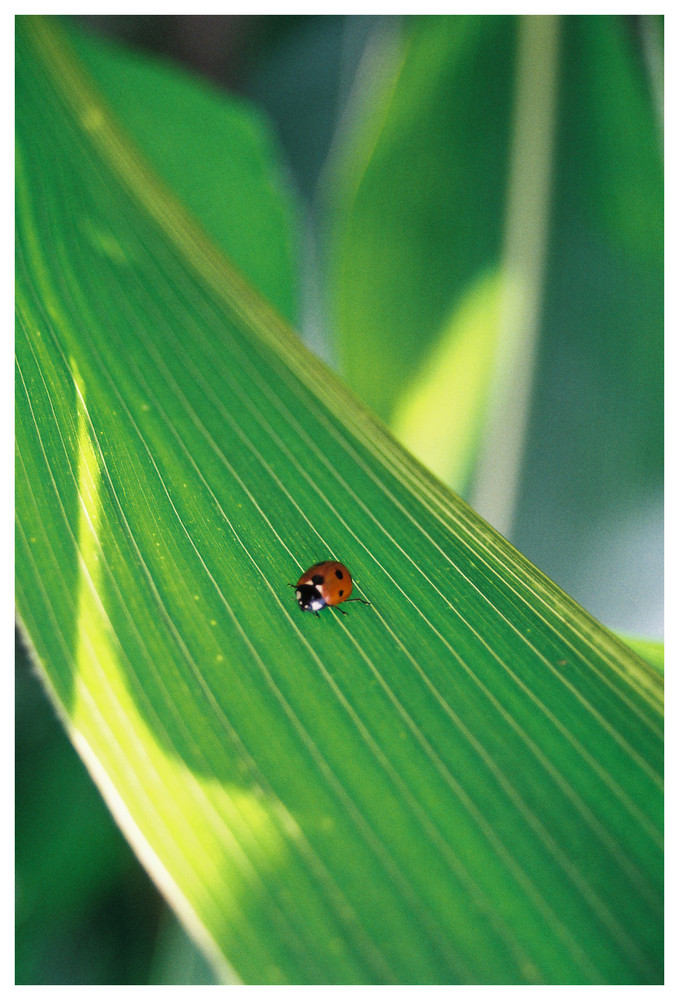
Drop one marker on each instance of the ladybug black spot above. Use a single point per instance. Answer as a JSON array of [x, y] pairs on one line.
[[317, 579], [341, 593], [339, 574]]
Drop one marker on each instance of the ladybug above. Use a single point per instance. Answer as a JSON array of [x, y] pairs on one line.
[[323, 585]]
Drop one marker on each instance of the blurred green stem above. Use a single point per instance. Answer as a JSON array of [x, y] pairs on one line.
[[652, 47], [523, 265]]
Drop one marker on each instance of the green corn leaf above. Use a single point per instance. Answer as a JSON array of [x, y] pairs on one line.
[[461, 783], [651, 650]]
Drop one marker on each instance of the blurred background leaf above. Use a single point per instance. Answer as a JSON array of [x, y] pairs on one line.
[[219, 157], [417, 197]]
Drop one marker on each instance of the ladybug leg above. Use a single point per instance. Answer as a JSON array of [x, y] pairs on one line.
[[350, 599], [342, 612], [317, 614]]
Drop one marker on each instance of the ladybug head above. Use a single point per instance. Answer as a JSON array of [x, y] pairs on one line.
[[309, 597]]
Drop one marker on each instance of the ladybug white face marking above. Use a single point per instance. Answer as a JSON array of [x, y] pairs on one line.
[[309, 597]]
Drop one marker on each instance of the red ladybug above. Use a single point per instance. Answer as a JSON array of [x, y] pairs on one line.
[[325, 584]]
